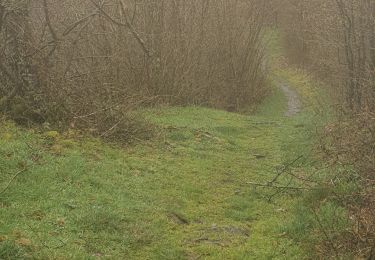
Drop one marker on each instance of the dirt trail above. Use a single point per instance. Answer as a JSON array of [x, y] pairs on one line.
[[294, 104]]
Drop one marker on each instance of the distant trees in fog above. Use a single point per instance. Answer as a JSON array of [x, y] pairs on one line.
[[62, 60]]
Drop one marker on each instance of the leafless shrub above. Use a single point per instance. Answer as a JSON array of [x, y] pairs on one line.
[[336, 40], [64, 59], [351, 143]]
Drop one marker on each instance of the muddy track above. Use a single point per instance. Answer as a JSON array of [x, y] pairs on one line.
[[294, 104]]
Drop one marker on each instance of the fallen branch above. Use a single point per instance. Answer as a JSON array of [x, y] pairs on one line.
[[12, 179], [110, 129], [285, 168], [269, 185]]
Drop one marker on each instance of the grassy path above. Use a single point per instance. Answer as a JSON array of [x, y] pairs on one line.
[[294, 104], [184, 195]]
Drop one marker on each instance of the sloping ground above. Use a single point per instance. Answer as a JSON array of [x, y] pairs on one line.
[[185, 195]]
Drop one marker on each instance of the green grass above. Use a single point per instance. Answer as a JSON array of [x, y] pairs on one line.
[[182, 195]]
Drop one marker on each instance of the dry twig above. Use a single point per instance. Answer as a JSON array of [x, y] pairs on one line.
[[12, 179]]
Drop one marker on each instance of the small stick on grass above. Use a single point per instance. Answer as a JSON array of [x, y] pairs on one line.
[[285, 168], [12, 179], [279, 187]]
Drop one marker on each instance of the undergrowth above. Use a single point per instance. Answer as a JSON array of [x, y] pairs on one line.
[[322, 221]]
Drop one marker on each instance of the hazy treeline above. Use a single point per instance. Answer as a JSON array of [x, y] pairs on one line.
[[336, 39], [87, 62]]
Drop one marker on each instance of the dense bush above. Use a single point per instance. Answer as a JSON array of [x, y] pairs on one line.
[[67, 62]]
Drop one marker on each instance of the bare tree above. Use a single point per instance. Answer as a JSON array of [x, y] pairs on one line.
[[82, 57]]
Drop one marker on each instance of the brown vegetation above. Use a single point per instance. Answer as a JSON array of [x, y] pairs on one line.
[[88, 63], [336, 41]]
